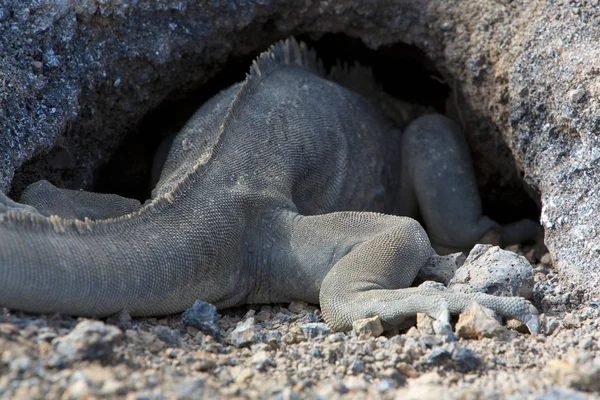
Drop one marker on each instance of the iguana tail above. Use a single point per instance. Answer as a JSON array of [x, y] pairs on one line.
[[153, 261], [156, 260]]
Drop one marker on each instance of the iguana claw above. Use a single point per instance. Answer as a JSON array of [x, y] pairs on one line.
[[533, 323]]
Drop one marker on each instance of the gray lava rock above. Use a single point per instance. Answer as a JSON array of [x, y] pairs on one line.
[[357, 366], [439, 356], [167, 335], [89, 340], [273, 336], [453, 356], [203, 316], [444, 269], [310, 317], [491, 270]]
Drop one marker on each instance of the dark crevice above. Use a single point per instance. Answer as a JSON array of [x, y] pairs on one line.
[[403, 71]]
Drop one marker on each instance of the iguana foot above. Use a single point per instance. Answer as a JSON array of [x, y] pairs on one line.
[[524, 230], [373, 279], [395, 306], [510, 307]]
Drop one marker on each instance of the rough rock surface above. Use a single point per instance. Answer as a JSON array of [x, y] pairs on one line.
[[477, 322], [75, 76], [489, 269], [443, 271]]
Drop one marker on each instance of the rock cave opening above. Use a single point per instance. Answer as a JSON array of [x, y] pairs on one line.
[[127, 173], [402, 70]]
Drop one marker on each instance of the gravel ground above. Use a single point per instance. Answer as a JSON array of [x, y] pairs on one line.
[[286, 351]]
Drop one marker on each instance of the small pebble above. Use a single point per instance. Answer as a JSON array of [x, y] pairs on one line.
[[89, 340], [244, 333]]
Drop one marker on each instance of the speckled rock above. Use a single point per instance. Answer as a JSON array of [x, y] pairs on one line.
[[411, 363], [367, 327], [314, 329], [489, 269], [202, 316], [244, 333], [444, 270]]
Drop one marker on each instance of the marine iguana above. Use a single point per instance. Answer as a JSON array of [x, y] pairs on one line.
[[279, 188]]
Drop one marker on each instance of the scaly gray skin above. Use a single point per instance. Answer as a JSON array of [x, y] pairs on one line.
[[248, 209]]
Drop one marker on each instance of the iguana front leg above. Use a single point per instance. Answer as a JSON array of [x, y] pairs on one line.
[[374, 276], [438, 184]]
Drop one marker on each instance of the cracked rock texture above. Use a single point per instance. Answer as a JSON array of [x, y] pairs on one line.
[[491, 270], [75, 76]]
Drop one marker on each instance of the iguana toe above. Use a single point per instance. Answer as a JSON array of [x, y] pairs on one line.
[[444, 313], [533, 323], [531, 319]]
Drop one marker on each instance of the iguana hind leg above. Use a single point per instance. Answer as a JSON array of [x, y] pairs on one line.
[[49, 200], [438, 183], [374, 276]]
